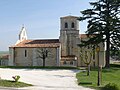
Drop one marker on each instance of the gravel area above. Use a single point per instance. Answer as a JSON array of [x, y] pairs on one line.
[[43, 79]]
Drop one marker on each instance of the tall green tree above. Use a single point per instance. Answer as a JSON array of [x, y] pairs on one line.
[[103, 21]]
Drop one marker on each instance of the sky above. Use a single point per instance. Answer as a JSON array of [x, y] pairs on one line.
[[41, 18]]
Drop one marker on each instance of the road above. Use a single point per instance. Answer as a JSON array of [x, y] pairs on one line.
[[43, 79]]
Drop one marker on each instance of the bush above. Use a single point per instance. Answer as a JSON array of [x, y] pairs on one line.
[[16, 78], [110, 86]]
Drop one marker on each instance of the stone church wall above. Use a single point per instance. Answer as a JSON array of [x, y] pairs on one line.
[[51, 59], [31, 57], [94, 61], [21, 59]]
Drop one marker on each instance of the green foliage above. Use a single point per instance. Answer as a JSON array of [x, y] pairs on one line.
[[115, 54], [110, 86], [16, 78], [8, 83], [104, 22]]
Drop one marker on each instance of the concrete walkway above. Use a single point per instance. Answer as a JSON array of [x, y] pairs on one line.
[[43, 79]]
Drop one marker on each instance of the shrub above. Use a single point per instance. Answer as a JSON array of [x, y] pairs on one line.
[[16, 78], [110, 86]]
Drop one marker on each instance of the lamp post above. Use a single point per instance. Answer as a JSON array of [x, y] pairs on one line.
[[76, 61], [98, 50]]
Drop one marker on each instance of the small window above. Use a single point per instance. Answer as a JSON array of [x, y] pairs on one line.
[[66, 25], [72, 25], [25, 53]]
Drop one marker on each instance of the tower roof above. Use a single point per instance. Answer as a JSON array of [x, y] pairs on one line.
[[69, 17]]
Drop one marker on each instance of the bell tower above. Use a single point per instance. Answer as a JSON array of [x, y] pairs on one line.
[[69, 35], [22, 35]]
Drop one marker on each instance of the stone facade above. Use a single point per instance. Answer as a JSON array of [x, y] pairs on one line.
[[60, 52], [69, 35], [70, 38], [33, 57]]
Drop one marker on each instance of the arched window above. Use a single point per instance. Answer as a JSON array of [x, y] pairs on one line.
[[72, 25], [66, 25]]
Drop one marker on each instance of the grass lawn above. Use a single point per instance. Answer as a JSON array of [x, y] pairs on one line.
[[111, 75], [9, 83]]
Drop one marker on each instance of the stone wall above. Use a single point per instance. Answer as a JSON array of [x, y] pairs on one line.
[[94, 61], [51, 59], [31, 57], [21, 59]]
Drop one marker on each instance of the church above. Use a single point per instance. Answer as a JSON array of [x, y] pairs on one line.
[[63, 51]]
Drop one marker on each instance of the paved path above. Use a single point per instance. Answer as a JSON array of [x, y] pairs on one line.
[[43, 79]]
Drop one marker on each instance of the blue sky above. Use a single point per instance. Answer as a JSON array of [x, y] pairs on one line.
[[40, 17]]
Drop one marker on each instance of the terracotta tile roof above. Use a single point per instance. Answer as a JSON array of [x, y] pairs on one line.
[[82, 36], [39, 43]]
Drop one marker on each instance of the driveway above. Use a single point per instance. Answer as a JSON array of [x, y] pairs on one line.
[[43, 79]]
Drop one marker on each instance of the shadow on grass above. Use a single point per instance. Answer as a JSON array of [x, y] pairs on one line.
[[115, 65], [113, 68], [85, 83], [10, 81]]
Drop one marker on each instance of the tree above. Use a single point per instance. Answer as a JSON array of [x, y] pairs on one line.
[[43, 54], [104, 22], [86, 57]]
